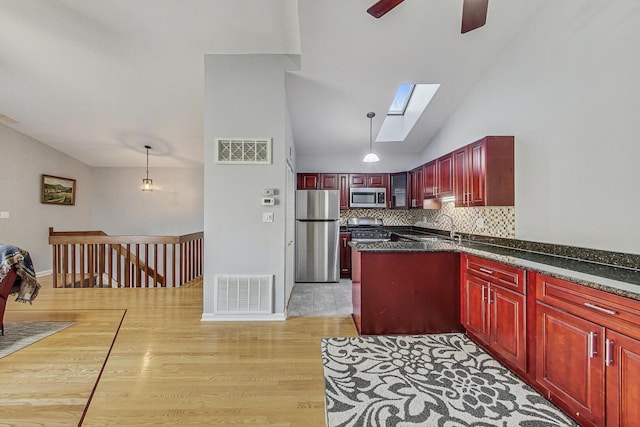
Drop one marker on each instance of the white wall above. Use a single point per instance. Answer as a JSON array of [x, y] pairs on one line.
[[568, 90], [23, 160], [175, 207], [352, 163], [244, 97]]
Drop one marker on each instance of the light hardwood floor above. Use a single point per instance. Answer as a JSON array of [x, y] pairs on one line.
[[165, 366]]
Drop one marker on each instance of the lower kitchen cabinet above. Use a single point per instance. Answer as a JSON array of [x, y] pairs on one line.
[[405, 292], [588, 352], [345, 255], [493, 308], [568, 363]]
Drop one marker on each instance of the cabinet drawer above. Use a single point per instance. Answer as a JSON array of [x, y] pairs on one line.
[[500, 274], [610, 310]]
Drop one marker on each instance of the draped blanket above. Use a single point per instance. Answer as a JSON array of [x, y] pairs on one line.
[[27, 287]]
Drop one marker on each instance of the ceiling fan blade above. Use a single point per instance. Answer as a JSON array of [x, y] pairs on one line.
[[474, 14], [382, 7]]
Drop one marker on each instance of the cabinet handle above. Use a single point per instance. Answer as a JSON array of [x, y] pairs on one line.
[[603, 310], [593, 344], [484, 270], [344, 243], [484, 297], [608, 356]]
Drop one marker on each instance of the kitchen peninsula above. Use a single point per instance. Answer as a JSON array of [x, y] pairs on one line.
[[537, 313]]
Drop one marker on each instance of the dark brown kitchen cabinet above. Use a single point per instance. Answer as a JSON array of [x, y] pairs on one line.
[[417, 187], [588, 352], [308, 181], [493, 308], [444, 176], [329, 181], [369, 180], [569, 363], [343, 186], [429, 180], [484, 172], [398, 196], [405, 293], [345, 255]]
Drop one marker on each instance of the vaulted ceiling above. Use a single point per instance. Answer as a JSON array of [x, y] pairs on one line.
[[99, 79]]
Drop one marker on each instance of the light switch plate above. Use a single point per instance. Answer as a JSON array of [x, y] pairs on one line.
[[267, 217], [4, 215]]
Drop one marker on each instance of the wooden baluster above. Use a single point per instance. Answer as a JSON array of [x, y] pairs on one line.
[[65, 268], [73, 263], [110, 275], [54, 254], [155, 265], [173, 267], [164, 264], [82, 263], [127, 276], [119, 267], [138, 271]]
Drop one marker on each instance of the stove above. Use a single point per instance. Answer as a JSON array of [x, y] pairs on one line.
[[367, 230]]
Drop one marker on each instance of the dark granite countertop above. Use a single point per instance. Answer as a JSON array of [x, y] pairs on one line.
[[617, 280]]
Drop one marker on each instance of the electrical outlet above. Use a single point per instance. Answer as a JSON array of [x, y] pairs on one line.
[[480, 223], [267, 217]]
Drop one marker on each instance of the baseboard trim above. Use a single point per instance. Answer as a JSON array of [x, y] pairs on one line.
[[210, 317], [44, 273]]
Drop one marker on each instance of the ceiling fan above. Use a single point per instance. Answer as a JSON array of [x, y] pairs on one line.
[[474, 12]]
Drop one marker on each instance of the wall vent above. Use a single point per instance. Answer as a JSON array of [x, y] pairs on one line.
[[255, 151], [243, 294]]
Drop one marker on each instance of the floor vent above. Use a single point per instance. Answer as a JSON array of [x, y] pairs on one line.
[[243, 150], [239, 294]]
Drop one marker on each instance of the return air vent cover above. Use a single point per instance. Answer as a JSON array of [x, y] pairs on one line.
[[243, 150], [243, 294]]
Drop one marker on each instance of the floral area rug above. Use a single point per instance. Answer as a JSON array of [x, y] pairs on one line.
[[427, 380], [19, 335]]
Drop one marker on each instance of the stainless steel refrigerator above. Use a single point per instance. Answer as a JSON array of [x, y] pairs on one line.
[[317, 235]]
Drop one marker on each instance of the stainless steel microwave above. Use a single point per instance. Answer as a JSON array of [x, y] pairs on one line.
[[367, 197]]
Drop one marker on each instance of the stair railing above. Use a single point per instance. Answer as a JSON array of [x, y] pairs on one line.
[[94, 259]]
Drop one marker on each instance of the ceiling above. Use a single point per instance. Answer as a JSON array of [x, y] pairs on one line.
[[99, 79]]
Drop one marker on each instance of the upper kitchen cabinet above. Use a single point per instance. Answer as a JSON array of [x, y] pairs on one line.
[[329, 181], [484, 172], [369, 180], [399, 194], [417, 187], [437, 176], [308, 181], [429, 180], [343, 180], [444, 176]]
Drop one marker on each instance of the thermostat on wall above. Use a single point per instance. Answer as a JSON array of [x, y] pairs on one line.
[[268, 192], [268, 201]]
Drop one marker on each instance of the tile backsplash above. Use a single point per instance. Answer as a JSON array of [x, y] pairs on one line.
[[486, 221]]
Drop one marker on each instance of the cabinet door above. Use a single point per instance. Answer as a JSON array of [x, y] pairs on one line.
[[417, 188], [329, 181], [429, 179], [474, 306], [343, 179], [345, 255], [398, 191], [308, 181], [357, 180], [477, 173], [508, 328], [460, 176], [444, 176], [623, 384], [569, 362], [378, 180]]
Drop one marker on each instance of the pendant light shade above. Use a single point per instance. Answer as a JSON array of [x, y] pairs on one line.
[[371, 157], [147, 183]]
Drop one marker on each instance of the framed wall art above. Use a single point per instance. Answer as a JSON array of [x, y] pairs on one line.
[[58, 191]]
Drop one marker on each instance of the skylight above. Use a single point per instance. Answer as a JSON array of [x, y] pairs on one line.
[[396, 126], [401, 100]]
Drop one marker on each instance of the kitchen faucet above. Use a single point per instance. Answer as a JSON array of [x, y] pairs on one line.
[[452, 234]]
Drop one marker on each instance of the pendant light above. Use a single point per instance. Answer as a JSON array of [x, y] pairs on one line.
[[147, 183], [371, 157]]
